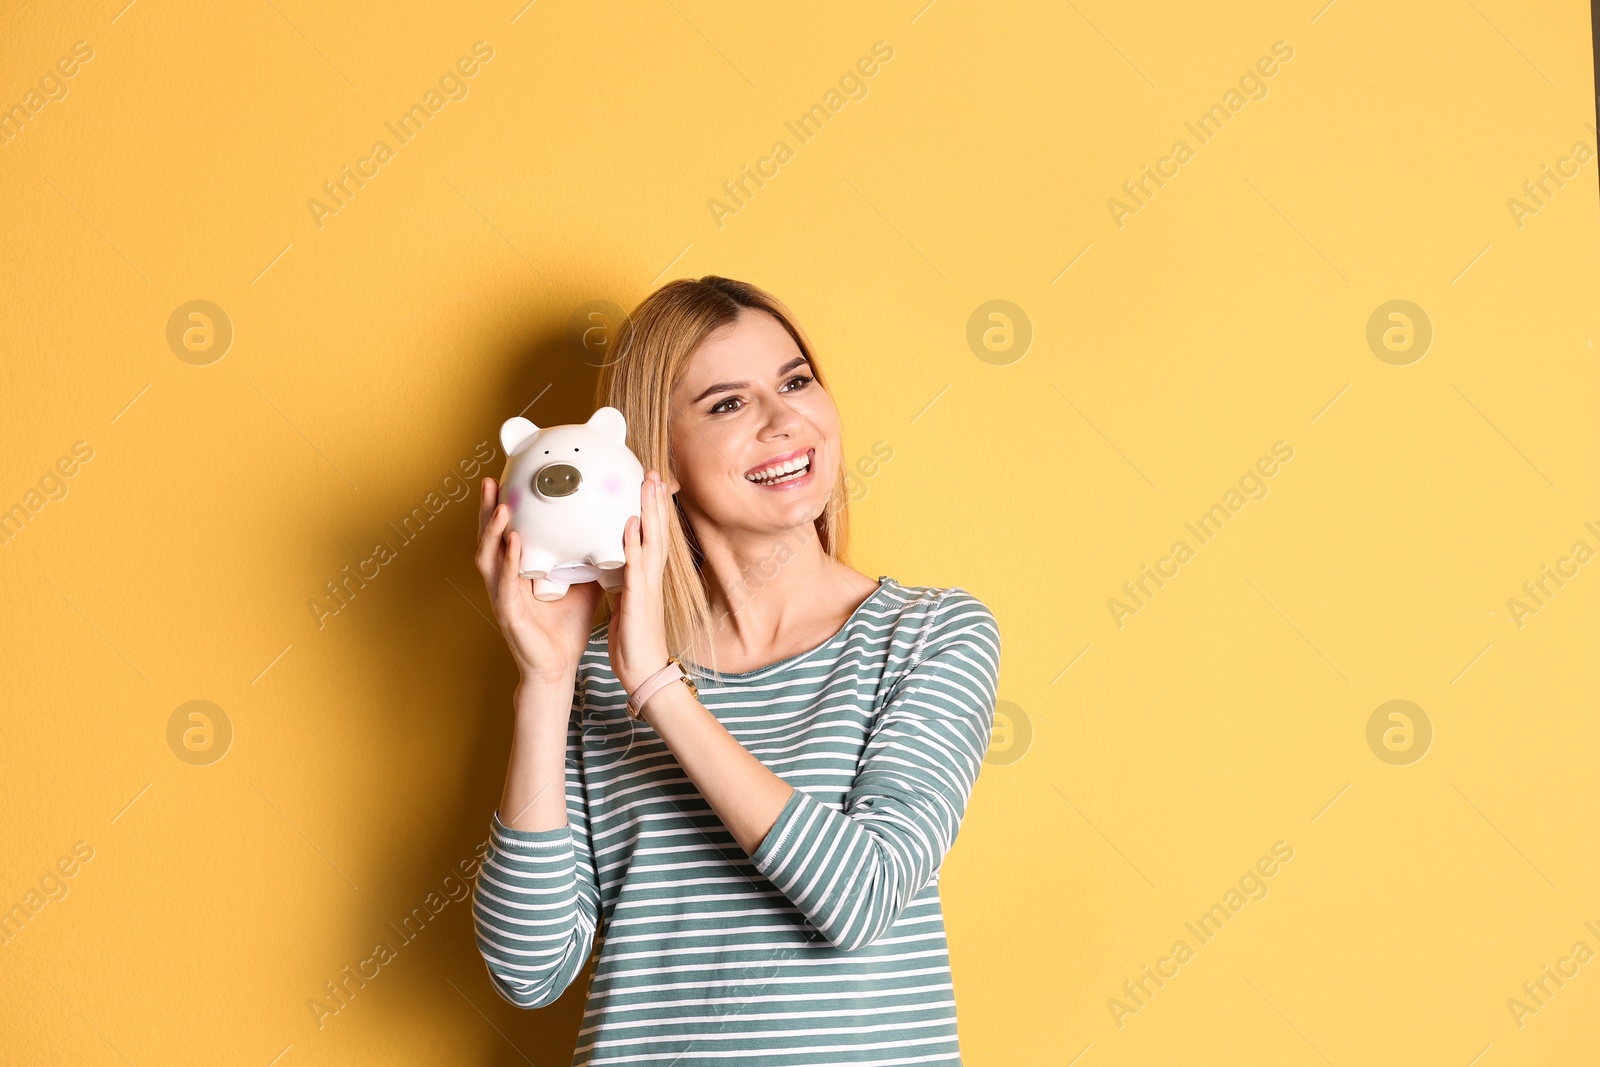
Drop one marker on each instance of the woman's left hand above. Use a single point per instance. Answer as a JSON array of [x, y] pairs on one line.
[[638, 632]]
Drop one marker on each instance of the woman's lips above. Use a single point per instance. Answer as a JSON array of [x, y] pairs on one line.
[[785, 458], [792, 482]]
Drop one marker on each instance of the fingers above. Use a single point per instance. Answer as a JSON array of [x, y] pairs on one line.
[[658, 528], [631, 552], [489, 541], [653, 521], [644, 537], [488, 492], [511, 564], [647, 514]]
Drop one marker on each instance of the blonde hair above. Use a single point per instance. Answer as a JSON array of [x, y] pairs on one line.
[[651, 353]]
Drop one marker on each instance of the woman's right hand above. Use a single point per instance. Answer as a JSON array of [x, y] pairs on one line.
[[546, 637]]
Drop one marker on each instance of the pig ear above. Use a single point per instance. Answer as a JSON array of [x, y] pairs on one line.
[[515, 432], [610, 422]]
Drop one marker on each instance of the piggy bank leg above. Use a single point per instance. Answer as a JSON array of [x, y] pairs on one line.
[[612, 558], [535, 564], [538, 566], [545, 589], [611, 569]]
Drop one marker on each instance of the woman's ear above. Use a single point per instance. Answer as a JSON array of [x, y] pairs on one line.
[[672, 484]]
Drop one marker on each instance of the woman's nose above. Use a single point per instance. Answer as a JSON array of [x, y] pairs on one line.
[[783, 418]]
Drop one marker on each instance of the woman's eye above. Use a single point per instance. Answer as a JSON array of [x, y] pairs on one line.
[[721, 407]]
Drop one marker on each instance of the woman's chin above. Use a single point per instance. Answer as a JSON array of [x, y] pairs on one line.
[[779, 512]]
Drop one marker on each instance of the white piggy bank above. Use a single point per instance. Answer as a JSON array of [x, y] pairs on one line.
[[570, 490]]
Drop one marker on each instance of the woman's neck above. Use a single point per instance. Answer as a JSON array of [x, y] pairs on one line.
[[770, 596]]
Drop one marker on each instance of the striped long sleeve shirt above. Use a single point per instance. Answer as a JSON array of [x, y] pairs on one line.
[[827, 944]]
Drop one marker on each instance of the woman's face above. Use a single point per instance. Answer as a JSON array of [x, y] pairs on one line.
[[748, 400]]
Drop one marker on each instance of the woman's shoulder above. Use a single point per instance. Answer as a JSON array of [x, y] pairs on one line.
[[949, 653], [937, 606], [935, 616]]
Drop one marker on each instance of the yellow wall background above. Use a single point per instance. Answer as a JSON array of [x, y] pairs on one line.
[[1142, 766]]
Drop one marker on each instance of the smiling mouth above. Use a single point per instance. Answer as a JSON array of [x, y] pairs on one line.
[[783, 473]]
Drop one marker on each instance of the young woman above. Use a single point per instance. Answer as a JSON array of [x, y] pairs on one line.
[[739, 788]]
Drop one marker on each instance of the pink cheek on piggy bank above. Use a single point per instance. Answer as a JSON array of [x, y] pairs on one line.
[[612, 486], [514, 498]]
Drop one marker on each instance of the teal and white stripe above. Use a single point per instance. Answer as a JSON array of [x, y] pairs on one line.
[[827, 945]]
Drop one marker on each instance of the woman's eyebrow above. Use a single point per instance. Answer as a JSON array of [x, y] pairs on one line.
[[722, 387]]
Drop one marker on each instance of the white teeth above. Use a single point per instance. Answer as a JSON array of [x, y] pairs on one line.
[[782, 472]]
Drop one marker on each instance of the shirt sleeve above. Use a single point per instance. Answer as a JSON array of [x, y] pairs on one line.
[[537, 899], [852, 872]]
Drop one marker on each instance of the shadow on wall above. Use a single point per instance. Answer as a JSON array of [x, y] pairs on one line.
[[435, 642]]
